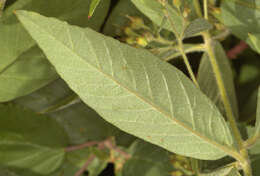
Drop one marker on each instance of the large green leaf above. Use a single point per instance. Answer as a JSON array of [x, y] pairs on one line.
[[147, 160], [208, 83], [155, 12], [31, 142], [242, 18], [16, 41], [133, 89], [30, 72], [81, 123], [45, 99]]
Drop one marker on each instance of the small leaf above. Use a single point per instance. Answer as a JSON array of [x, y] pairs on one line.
[[207, 80], [196, 26], [154, 10], [133, 89], [92, 8], [26, 144], [255, 40], [147, 160]]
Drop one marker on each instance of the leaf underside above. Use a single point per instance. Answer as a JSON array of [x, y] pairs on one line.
[[132, 89]]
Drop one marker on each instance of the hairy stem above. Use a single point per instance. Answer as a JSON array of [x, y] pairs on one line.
[[210, 50], [243, 158], [220, 83], [186, 61]]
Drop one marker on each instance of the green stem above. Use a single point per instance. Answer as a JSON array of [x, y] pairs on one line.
[[220, 83], [244, 159], [186, 61], [195, 48], [179, 40], [205, 5]]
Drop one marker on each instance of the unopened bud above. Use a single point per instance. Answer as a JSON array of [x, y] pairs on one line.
[[136, 22], [177, 3], [186, 12], [141, 41]]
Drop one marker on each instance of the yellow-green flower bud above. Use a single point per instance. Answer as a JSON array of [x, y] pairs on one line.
[[141, 41], [177, 3]]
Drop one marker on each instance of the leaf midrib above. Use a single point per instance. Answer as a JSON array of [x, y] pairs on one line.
[[226, 149]]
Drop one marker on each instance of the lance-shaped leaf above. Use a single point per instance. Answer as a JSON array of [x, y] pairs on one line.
[[196, 26], [30, 142], [17, 48], [80, 122], [208, 83], [93, 6], [30, 72], [155, 11], [133, 89]]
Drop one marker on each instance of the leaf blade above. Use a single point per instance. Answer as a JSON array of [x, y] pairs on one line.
[[124, 77], [92, 8], [25, 143], [16, 43], [207, 80], [155, 12]]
